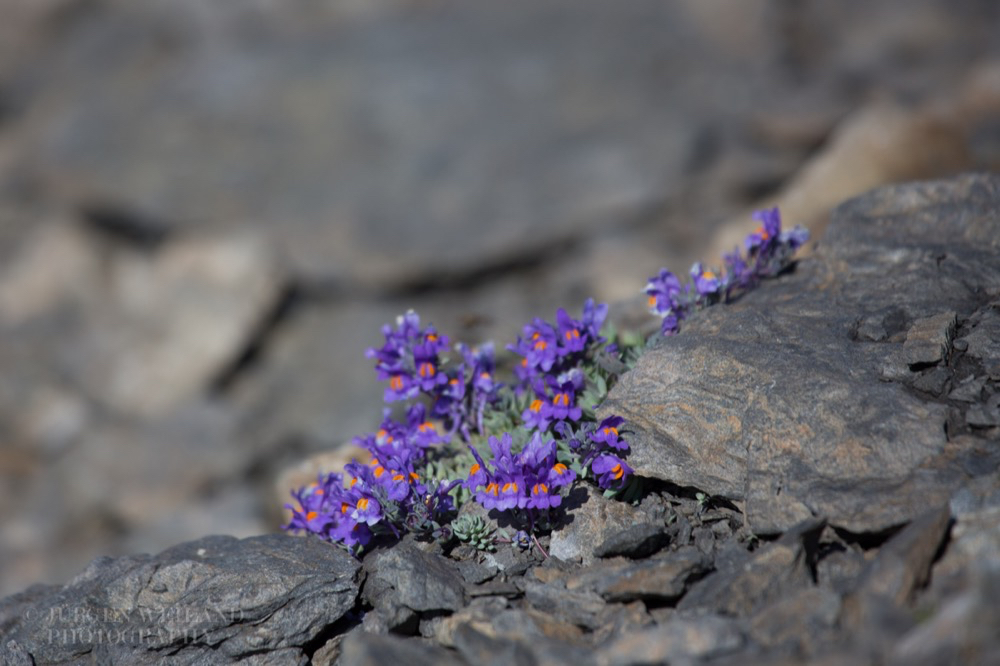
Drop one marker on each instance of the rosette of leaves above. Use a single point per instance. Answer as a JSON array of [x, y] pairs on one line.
[[474, 531]]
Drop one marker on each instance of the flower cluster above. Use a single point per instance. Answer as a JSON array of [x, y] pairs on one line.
[[769, 251], [386, 495], [412, 361], [548, 350], [527, 482], [602, 447], [542, 432]]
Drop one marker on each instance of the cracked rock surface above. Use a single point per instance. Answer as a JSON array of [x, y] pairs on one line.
[[780, 403]]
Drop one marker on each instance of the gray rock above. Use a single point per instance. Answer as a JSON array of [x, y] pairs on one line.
[[968, 390], [928, 339], [660, 579], [801, 621], [777, 569], [362, 649], [983, 341], [589, 521], [775, 401], [986, 415], [579, 607], [933, 381], [677, 641], [901, 567], [405, 578], [215, 600], [974, 540], [640, 540], [479, 648], [962, 629], [514, 647]]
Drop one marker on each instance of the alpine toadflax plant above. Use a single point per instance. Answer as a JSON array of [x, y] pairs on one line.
[[517, 448]]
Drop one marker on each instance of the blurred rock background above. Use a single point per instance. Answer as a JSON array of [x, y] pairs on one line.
[[208, 209]]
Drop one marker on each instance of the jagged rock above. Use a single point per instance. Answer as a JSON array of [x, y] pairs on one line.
[[901, 567], [579, 607], [640, 540], [406, 580], [961, 630], [589, 519], [982, 341], [776, 402], [514, 647], [218, 600], [362, 649], [800, 621], [664, 578], [679, 639], [777, 569], [928, 339]]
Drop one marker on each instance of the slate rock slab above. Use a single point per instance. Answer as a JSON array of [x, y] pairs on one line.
[[797, 399], [406, 580], [216, 600]]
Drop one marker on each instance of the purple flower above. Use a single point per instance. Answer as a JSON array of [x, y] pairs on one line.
[[738, 273], [560, 475], [573, 336], [366, 510], [312, 513], [477, 473], [562, 406], [482, 365], [421, 431], [794, 238], [705, 281], [670, 325], [539, 348], [509, 493], [503, 459], [611, 471], [529, 479], [607, 433], [663, 292], [325, 508], [536, 416], [767, 233], [401, 387], [351, 533], [409, 358], [570, 334], [542, 497], [593, 319], [426, 374]]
